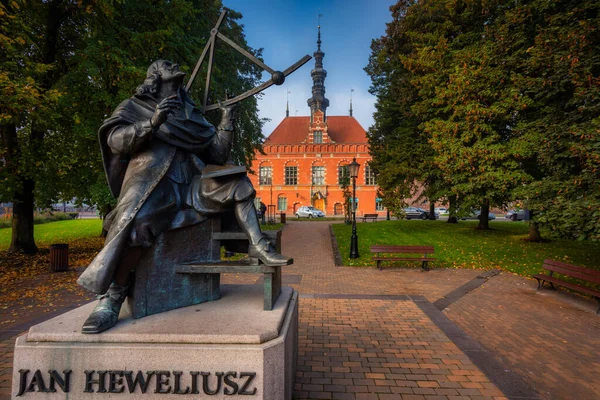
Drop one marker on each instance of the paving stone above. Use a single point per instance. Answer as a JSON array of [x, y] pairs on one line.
[[362, 335]]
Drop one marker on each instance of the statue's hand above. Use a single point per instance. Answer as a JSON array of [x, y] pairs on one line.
[[227, 116], [167, 106]]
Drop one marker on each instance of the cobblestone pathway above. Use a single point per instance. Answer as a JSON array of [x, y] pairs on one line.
[[369, 334]]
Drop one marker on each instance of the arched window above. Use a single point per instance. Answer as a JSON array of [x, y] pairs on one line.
[[282, 203], [343, 175], [369, 176], [318, 175], [265, 175]]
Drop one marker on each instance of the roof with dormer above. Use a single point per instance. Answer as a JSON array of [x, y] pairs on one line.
[[341, 129]]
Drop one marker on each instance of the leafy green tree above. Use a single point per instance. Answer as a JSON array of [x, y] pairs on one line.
[[402, 154], [471, 106], [66, 65], [36, 45], [561, 75], [503, 96], [448, 96]]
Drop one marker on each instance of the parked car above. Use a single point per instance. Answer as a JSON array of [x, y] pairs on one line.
[[514, 215], [417, 213], [441, 210], [309, 212], [476, 214], [490, 215]]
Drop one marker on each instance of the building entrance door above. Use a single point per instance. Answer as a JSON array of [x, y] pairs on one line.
[[319, 204], [338, 209]]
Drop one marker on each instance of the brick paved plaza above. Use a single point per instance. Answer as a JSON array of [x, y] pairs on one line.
[[405, 334]]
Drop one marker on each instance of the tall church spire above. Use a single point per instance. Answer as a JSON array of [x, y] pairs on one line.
[[318, 101]]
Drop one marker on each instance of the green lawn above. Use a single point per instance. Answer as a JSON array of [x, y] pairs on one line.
[[67, 231], [57, 232], [462, 246]]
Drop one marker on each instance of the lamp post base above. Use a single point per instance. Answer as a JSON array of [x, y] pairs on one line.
[[354, 242]]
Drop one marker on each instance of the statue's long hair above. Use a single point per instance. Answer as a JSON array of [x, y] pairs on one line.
[[152, 82]]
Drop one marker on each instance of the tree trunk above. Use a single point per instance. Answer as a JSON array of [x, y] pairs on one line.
[[22, 194], [431, 210], [22, 240], [452, 210], [484, 223], [23, 198], [534, 230]]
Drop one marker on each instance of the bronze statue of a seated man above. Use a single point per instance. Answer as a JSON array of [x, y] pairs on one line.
[[155, 147]]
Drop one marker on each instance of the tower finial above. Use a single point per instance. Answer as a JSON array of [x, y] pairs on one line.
[[351, 90], [287, 104], [319, 39], [319, 33], [318, 101]]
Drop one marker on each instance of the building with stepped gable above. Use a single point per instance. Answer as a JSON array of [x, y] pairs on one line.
[[306, 157]]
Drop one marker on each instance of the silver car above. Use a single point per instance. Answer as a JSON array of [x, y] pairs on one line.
[[515, 215], [309, 212]]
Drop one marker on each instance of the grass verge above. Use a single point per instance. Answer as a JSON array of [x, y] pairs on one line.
[[70, 230], [57, 232], [462, 246]]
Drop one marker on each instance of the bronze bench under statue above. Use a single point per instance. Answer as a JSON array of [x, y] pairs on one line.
[[173, 274]]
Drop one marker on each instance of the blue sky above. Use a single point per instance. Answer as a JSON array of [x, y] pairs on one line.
[[287, 30]]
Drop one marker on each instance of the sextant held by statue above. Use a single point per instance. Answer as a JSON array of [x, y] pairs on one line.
[[277, 77]]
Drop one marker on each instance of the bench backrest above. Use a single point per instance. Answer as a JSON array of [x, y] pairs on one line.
[[402, 249], [575, 271], [371, 215]]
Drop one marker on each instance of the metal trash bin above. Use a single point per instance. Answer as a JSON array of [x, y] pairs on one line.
[[283, 218], [59, 257]]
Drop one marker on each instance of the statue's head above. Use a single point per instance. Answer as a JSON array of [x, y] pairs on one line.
[[158, 72]]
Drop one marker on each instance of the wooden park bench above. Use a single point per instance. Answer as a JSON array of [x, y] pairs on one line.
[[582, 274], [370, 216], [388, 253]]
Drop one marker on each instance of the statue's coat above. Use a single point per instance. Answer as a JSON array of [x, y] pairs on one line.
[[136, 161]]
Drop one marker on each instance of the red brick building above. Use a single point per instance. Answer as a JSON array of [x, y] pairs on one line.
[[305, 157]]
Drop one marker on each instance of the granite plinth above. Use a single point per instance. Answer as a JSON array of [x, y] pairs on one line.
[[213, 350]]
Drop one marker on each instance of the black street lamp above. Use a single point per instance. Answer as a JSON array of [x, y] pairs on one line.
[[353, 170]]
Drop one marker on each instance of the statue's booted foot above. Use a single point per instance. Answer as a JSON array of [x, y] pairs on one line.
[[265, 252], [106, 312]]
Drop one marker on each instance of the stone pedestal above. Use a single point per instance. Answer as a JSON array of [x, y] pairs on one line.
[[214, 350]]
